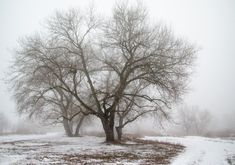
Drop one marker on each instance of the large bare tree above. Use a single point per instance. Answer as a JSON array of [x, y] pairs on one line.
[[100, 63]]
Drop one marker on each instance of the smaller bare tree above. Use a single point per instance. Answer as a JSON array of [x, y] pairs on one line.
[[194, 121], [37, 88], [65, 110], [4, 123], [136, 104]]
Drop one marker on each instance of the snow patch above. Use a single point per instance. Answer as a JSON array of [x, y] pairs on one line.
[[201, 150]]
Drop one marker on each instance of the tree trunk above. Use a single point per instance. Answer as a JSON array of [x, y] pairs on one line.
[[119, 132], [120, 127], [67, 129], [77, 131], [109, 133], [108, 125]]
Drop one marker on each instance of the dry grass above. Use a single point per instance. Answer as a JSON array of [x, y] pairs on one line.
[[145, 152]]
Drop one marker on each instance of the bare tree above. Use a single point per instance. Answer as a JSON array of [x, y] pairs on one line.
[[138, 104], [203, 120], [136, 51], [4, 123], [35, 84], [64, 110], [193, 120], [100, 63]]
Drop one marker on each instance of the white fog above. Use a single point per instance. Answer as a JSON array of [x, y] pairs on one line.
[[189, 103]]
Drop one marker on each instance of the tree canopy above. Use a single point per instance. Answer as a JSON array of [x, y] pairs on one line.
[[120, 67]]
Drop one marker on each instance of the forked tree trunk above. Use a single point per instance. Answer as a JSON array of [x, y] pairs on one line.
[[77, 131], [67, 129]]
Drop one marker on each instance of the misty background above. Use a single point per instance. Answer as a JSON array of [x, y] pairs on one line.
[[210, 24]]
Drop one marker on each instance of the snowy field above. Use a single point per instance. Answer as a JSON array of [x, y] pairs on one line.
[[55, 148], [59, 149], [202, 151]]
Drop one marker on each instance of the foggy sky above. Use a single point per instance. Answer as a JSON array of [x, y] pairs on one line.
[[208, 23]]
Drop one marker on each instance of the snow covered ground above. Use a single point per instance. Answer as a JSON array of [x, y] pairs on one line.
[[56, 148], [202, 151], [33, 148], [59, 149]]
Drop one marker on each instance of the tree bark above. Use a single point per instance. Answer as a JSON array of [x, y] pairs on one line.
[[77, 131], [109, 133], [108, 125], [119, 132], [67, 129]]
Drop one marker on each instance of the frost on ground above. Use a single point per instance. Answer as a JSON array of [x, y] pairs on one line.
[[59, 149], [201, 150]]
